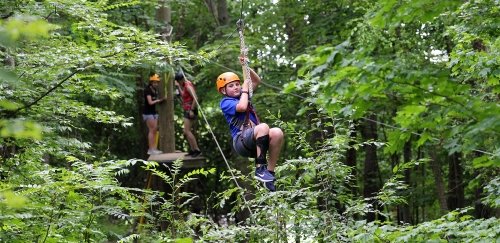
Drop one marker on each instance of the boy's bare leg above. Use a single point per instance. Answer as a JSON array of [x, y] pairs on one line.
[[259, 131], [276, 139]]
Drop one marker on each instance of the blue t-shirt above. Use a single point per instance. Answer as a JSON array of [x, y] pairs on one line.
[[233, 118]]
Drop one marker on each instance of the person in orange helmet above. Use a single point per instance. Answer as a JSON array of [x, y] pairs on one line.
[[149, 115], [251, 138]]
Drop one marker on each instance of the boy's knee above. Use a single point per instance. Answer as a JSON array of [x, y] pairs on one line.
[[261, 129], [276, 133], [262, 126]]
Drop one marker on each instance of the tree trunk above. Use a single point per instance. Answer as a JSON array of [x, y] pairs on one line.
[[218, 9], [370, 175], [456, 198], [438, 180], [222, 13], [351, 158], [480, 209], [166, 111], [213, 9], [164, 16], [404, 215]]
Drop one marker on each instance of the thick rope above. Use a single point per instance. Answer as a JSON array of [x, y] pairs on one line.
[[244, 54]]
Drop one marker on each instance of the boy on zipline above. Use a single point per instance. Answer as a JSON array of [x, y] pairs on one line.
[[250, 137]]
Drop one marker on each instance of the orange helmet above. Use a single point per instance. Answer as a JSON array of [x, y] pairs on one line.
[[226, 78], [154, 77]]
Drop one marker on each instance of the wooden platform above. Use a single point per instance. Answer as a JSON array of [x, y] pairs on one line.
[[189, 162]]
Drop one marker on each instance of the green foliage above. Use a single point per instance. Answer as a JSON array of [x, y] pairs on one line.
[[77, 203], [455, 226], [421, 92], [12, 31], [67, 204], [304, 207], [23, 28], [394, 12], [427, 70], [493, 193], [402, 64]]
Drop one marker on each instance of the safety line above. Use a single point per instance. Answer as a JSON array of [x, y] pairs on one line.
[[225, 41], [241, 9], [233, 176]]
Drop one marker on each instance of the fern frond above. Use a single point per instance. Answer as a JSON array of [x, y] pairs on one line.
[[130, 238]]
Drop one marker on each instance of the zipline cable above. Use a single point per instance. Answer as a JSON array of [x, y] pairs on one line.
[[384, 124], [364, 118], [245, 51], [225, 41]]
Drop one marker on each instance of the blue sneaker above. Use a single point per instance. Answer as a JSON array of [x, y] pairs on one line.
[[270, 186], [262, 174]]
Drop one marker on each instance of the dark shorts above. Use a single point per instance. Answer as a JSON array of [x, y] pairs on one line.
[[244, 144], [186, 114]]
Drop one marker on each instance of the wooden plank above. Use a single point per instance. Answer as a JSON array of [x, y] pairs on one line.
[[188, 161]]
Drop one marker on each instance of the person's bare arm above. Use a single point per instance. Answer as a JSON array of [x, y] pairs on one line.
[[243, 102], [152, 102], [193, 94]]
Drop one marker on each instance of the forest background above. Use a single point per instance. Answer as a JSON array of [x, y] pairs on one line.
[[390, 112]]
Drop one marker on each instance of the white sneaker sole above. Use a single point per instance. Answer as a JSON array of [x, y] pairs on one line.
[[262, 180]]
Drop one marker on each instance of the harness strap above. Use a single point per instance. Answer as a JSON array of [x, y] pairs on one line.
[[246, 123]]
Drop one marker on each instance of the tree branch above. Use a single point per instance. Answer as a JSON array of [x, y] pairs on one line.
[[49, 91]]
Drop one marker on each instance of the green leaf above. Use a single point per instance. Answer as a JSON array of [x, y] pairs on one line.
[[184, 240], [424, 137], [20, 129], [8, 105], [12, 199], [395, 169], [485, 161]]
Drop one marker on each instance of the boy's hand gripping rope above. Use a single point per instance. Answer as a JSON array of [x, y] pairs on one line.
[[244, 52]]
